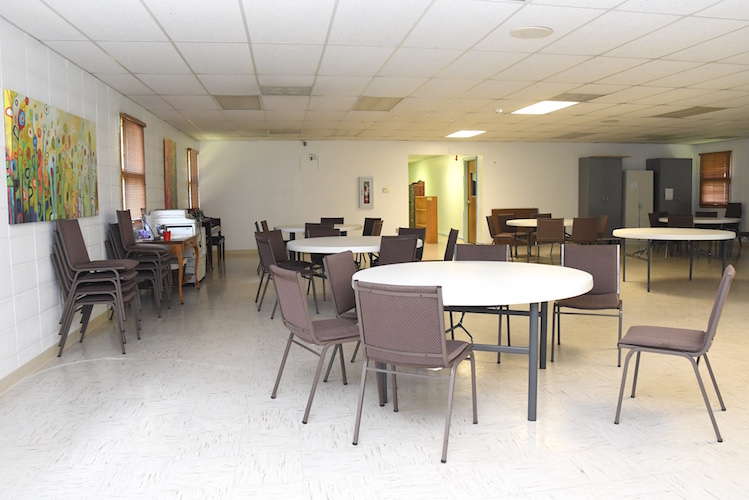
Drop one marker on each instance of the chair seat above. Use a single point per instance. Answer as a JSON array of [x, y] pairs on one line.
[[661, 337], [333, 329], [592, 301], [126, 264], [350, 315]]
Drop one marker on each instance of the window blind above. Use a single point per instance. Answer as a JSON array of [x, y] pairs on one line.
[[715, 179], [133, 164]]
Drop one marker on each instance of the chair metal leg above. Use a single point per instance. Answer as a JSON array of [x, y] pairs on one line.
[[704, 396], [448, 415], [356, 350], [715, 384], [394, 383], [283, 363], [339, 349], [361, 401], [619, 349], [314, 383], [621, 388], [637, 372]]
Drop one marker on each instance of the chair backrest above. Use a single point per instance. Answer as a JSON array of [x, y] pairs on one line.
[[501, 220], [377, 229], [340, 267], [265, 249], [733, 210], [720, 299], [264, 225], [675, 220], [499, 253], [292, 299], [257, 227], [331, 220], [419, 232], [550, 231], [277, 245], [116, 240], [402, 325], [653, 218], [368, 228], [126, 228], [601, 261], [452, 240], [491, 223], [397, 249], [71, 238], [321, 231], [584, 230], [700, 213], [603, 224], [543, 216]]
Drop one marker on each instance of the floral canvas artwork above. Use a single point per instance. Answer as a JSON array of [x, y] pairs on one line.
[[50, 159]]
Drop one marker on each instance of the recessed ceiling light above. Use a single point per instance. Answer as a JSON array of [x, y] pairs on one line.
[[531, 32], [543, 107], [464, 134]]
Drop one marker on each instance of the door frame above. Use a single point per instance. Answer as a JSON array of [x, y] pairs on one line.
[[466, 204]]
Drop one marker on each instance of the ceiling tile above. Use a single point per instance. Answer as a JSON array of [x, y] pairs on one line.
[[197, 21], [230, 84], [384, 23], [217, 58], [340, 85], [418, 63], [320, 103], [284, 102], [199, 102], [540, 67], [678, 7], [479, 64], [88, 56], [648, 72], [596, 69], [162, 57], [303, 22], [124, 83], [727, 9], [444, 87], [40, 22], [121, 20], [285, 81], [697, 75], [173, 84], [393, 87], [286, 60], [353, 61]]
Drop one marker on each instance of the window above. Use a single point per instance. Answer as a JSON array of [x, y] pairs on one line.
[[132, 148], [192, 178], [715, 179]]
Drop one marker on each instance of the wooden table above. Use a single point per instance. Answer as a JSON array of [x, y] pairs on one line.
[[486, 284], [178, 247], [674, 234]]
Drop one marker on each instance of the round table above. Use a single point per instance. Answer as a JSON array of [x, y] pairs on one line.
[[294, 229], [337, 244], [480, 283], [674, 234], [531, 223], [709, 221]]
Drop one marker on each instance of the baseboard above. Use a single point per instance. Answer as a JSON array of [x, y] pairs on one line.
[[45, 357]]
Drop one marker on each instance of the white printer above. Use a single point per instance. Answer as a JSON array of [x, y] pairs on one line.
[[182, 224]]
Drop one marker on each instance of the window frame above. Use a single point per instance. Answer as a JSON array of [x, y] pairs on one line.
[[132, 163], [715, 179], [193, 192]]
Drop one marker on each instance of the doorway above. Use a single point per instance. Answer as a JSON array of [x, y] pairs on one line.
[[471, 186]]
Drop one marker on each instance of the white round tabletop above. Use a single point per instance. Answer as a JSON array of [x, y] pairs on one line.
[[299, 228], [481, 283], [673, 233], [532, 222], [707, 221], [336, 244]]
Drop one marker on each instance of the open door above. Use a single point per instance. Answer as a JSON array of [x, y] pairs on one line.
[[470, 198]]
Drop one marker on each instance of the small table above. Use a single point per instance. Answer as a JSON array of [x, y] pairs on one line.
[[709, 221], [294, 229], [674, 234], [531, 223], [178, 247], [337, 244], [487, 284]]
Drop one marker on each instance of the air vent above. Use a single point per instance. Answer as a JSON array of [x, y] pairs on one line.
[[684, 113], [367, 103], [238, 102]]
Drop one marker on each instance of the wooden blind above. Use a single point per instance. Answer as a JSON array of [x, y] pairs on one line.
[[192, 178], [715, 179], [133, 164]]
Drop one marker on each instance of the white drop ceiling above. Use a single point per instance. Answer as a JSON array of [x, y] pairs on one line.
[[453, 63]]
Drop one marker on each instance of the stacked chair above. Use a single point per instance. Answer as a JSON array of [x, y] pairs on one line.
[[86, 283], [154, 261]]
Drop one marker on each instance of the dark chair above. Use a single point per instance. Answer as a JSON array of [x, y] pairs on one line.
[[549, 232], [420, 233], [340, 267], [219, 241], [322, 231], [303, 330], [452, 240], [397, 249], [493, 253], [733, 210], [603, 225], [404, 327], [584, 230], [331, 220], [602, 262], [690, 344], [678, 220], [369, 224], [506, 233]]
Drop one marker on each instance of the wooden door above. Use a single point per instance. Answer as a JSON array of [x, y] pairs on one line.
[[471, 188]]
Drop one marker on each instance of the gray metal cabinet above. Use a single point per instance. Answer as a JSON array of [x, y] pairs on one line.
[[637, 191], [672, 178], [600, 189]]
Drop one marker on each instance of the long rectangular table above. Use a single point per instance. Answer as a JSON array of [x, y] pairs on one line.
[[488, 284]]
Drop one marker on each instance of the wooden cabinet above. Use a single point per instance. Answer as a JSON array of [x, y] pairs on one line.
[[425, 215], [600, 189], [672, 178]]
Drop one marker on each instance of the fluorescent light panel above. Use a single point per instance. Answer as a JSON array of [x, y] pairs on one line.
[[464, 134], [544, 107]]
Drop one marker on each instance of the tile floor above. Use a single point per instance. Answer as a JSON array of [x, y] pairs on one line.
[[186, 413]]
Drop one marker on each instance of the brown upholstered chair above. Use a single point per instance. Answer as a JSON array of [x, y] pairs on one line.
[[603, 224], [584, 230], [452, 240], [680, 220], [368, 226], [404, 327], [602, 262], [322, 231], [690, 344], [549, 232], [303, 330], [331, 220], [340, 267], [420, 233], [397, 249]]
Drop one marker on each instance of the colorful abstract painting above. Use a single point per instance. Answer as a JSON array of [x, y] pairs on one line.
[[170, 174], [50, 159]]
